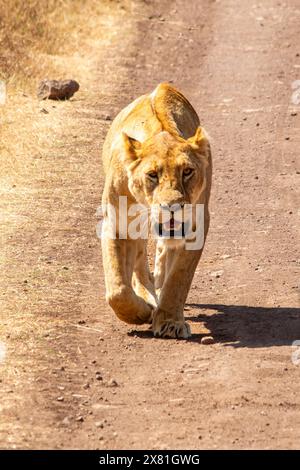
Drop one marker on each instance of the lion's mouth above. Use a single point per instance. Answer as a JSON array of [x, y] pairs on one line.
[[171, 228]]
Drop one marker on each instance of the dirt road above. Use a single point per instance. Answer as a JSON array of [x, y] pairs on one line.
[[75, 377]]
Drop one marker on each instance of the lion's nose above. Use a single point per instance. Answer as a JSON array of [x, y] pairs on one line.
[[172, 205]]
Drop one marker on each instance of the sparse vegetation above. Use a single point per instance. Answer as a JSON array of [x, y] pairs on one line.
[[32, 32], [42, 39]]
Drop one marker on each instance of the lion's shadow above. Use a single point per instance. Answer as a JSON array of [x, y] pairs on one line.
[[243, 326]]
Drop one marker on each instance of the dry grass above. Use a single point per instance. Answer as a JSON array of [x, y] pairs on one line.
[[39, 39], [45, 149], [32, 32], [43, 39]]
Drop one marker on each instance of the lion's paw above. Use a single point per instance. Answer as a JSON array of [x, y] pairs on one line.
[[172, 329]]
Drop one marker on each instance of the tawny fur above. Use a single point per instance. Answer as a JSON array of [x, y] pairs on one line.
[[158, 132]]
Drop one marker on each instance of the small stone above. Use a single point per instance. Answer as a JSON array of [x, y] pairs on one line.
[[217, 274], [60, 398], [79, 419], [66, 421], [44, 111], [81, 322], [113, 383], [99, 424], [86, 386], [57, 89], [99, 376], [207, 340]]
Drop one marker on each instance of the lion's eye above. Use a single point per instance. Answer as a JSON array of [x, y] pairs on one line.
[[188, 172], [153, 175]]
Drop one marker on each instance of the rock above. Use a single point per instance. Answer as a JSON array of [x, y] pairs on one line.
[[207, 340], [113, 383], [99, 376], [57, 89], [99, 424], [60, 398], [79, 419], [217, 274], [66, 421]]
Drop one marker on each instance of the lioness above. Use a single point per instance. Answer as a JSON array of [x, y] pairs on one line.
[[155, 154]]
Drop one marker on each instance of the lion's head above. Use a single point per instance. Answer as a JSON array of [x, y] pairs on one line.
[[167, 171]]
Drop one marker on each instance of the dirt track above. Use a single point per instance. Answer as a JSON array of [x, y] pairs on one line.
[[236, 62]]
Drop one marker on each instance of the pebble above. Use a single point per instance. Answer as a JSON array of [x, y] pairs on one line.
[[207, 340], [216, 274], [60, 398], [79, 419], [113, 383], [66, 421], [99, 424]]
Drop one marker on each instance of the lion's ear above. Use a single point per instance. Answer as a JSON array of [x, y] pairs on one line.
[[132, 146], [199, 140]]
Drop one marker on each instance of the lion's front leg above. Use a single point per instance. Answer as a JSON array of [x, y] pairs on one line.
[[142, 279], [168, 318], [160, 266], [118, 262]]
